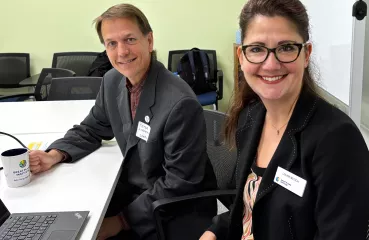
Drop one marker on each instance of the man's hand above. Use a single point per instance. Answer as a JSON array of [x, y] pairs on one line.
[[111, 226], [41, 161], [208, 236]]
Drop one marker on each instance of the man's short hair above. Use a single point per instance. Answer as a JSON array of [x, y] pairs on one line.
[[124, 11]]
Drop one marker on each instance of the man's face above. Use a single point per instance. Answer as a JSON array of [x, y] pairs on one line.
[[128, 49]]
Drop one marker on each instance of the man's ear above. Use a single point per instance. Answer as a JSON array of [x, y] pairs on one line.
[[150, 39]]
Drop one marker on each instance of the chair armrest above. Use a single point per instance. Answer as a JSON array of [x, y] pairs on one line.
[[158, 204], [17, 95], [161, 204], [16, 85], [27, 85], [220, 84]]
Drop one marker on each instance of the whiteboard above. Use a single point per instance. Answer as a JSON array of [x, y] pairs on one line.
[[331, 24]]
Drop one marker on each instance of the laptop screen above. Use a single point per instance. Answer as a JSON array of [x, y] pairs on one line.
[[4, 213]]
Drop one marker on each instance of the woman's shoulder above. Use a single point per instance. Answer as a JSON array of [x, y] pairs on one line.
[[330, 116], [329, 122]]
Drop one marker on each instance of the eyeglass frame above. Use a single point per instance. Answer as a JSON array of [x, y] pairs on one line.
[[299, 45]]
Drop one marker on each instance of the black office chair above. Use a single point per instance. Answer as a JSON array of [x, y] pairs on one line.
[[78, 62], [42, 86], [224, 163], [74, 88], [216, 75], [14, 68]]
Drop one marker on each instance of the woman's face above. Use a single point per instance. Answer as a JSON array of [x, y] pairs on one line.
[[272, 79]]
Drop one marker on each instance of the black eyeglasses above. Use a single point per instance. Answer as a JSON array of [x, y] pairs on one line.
[[285, 53]]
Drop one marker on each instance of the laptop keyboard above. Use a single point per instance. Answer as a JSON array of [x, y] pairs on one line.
[[27, 227]]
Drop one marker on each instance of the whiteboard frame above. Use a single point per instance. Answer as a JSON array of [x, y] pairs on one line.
[[357, 70]]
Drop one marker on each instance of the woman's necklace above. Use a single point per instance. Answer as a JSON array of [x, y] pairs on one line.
[[278, 129], [289, 112]]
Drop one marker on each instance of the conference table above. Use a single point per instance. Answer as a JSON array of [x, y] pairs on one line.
[[86, 185], [43, 116]]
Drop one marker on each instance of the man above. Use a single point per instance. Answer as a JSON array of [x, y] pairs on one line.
[[156, 120]]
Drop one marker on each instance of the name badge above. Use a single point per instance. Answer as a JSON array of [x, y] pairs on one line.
[[143, 131], [290, 181]]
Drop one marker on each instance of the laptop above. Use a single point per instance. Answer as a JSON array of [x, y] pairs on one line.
[[40, 226]]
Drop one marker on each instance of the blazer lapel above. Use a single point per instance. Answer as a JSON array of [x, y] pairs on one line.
[[124, 108], [250, 126], [248, 137], [287, 150], [147, 100]]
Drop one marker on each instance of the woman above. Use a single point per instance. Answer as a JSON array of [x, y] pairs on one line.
[[303, 167]]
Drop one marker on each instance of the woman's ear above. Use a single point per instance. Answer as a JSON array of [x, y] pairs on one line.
[[308, 51], [240, 54]]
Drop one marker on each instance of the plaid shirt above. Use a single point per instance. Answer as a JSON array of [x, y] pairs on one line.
[[135, 93]]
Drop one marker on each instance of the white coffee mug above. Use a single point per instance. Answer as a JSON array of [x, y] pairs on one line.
[[16, 167]]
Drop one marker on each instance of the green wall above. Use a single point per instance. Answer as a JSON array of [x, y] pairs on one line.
[[42, 27]]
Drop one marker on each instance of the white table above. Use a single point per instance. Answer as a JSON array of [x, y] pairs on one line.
[[42, 117], [85, 185]]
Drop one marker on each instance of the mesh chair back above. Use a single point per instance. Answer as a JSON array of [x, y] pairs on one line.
[[74, 88], [78, 62], [176, 55], [14, 68], [44, 81], [222, 158]]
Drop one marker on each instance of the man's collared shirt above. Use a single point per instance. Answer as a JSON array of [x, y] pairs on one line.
[[135, 93]]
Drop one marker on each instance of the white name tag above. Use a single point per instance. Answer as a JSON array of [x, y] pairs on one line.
[[143, 131], [290, 181]]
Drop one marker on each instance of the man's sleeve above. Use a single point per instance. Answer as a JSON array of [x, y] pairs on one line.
[[185, 162], [341, 176], [85, 138]]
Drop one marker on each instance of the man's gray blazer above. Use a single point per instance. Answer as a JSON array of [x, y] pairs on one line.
[[172, 162]]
